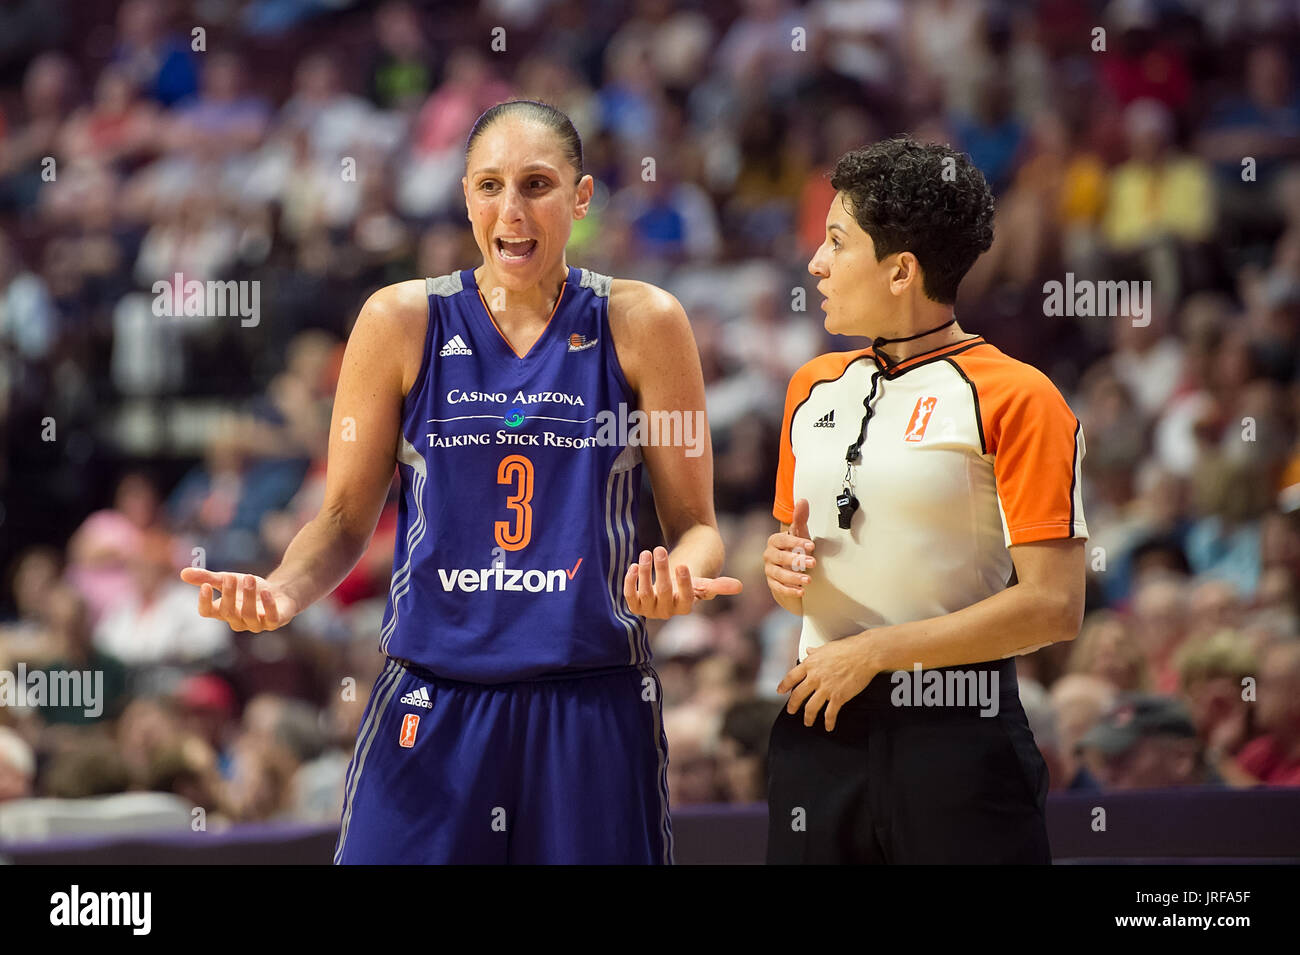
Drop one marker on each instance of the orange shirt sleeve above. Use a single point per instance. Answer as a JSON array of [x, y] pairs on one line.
[[822, 368], [783, 506], [1037, 447]]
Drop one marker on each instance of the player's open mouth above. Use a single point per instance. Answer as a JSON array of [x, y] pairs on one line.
[[515, 250]]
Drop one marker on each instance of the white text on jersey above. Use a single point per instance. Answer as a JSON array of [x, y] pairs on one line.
[[469, 580]]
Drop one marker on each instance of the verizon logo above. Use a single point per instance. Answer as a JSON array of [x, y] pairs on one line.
[[469, 580]]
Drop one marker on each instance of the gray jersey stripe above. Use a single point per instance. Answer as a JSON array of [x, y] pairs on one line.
[[616, 563], [401, 583], [629, 521], [665, 821], [352, 765], [444, 285], [596, 282], [627, 535], [384, 692]]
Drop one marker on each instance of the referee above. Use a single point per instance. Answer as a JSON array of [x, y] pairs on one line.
[[931, 530]]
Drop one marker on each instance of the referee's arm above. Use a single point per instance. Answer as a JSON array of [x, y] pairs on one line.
[[1045, 606]]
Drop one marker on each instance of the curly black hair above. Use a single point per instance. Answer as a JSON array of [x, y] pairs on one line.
[[921, 198]]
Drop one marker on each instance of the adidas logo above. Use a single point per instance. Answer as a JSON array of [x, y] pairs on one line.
[[826, 421], [418, 697], [455, 346]]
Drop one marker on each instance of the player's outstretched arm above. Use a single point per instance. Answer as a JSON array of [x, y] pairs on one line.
[[379, 365], [661, 362]]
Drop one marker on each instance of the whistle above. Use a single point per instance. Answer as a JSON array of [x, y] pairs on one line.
[[847, 504]]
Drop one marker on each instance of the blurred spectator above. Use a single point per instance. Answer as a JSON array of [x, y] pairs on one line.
[[1143, 63], [148, 52], [1261, 122], [1274, 758], [742, 749], [29, 322], [1078, 703], [400, 74], [33, 578], [156, 622], [1213, 673], [693, 769], [1145, 742], [207, 709], [17, 766], [991, 134], [1105, 648], [100, 551], [1159, 195], [31, 135], [1160, 622], [118, 127], [68, 648]]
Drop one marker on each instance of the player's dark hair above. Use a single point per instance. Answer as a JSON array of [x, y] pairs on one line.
[[537, 112], [925, 199]]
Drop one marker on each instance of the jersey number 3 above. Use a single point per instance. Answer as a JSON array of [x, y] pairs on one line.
[[516, 471]]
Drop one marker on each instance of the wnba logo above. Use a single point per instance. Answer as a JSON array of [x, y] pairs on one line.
[[920, 419], [410, 724]]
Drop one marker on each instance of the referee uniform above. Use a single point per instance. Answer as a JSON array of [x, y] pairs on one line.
[[966, 452]]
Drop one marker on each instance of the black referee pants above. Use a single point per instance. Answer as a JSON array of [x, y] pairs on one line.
[[908, 784]]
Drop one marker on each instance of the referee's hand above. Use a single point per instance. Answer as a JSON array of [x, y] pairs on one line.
[[830, 675], [788, 558], [652, 590]]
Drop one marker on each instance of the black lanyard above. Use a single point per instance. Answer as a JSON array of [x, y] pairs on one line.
[[846, 503]]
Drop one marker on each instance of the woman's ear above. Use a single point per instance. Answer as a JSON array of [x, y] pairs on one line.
[[586, 189], [905, 271]]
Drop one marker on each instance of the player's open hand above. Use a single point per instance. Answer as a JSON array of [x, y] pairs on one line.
[[788, 558], [829, 676], [652, 590], [246, 601]]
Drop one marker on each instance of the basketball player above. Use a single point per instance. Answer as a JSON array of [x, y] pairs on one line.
[[517, 717], [931, 529]]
